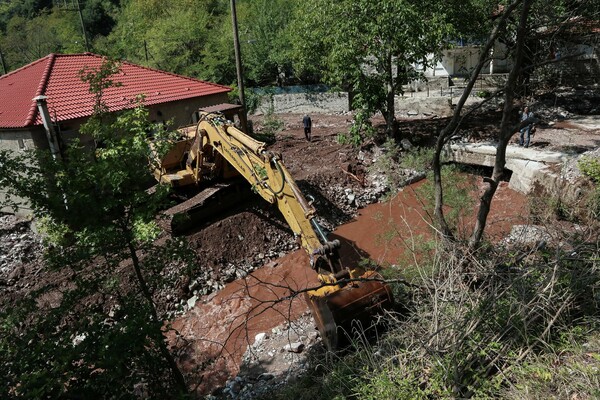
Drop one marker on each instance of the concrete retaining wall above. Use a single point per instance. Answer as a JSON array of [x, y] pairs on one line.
[[333, 102], [530, 168], [338, 102]]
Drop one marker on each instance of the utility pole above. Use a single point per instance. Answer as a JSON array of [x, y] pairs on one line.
[[2, 62], [238, 66], [87, 44], [146, 52], [238, 57]]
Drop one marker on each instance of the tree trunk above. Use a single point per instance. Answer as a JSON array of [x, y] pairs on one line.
[[506, 131], [177, 375], [454, 123], [390, 95]]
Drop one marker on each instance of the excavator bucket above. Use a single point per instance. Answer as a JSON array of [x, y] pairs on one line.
[[340, 313]]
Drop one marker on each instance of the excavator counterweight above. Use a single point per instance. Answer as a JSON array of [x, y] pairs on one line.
[[213, 150]]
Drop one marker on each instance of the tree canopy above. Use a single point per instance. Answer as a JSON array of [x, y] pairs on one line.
[[370, 48]]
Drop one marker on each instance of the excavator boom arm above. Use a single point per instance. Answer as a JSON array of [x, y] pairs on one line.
[[269, 178], [347, 295]]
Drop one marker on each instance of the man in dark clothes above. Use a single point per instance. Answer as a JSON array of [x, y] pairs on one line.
[[525, 132], [307, 125]]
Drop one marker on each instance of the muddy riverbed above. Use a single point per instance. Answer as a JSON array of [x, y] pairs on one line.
[[230, 329], [218, 333]]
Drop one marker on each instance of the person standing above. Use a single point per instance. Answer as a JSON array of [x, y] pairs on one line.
[[525, 131], [306, 121]]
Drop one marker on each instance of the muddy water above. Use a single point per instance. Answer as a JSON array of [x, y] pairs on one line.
[[388, 233], [214, 335], [217, 331]]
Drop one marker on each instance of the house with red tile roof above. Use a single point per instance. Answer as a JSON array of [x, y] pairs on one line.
[[43, 104], [69, 102]]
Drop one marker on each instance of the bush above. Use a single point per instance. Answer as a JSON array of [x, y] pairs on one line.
[[361, 130]]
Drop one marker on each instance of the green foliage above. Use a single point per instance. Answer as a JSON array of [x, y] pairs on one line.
[[102, 337], [368, 47], [270, 127], [265, 44], [98, 16], [590, 167], [360, 131], [28, 39], [497, 331], [96, 352]]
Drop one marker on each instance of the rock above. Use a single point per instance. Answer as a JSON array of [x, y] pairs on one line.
[[192, 301], [406, 144], [265, 377], [259, 338], [351, 199], [528, 234], [295, 347], [78, 339], [412, 113], [240, 273]]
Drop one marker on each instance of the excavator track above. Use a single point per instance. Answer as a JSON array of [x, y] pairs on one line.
[[203, 207]]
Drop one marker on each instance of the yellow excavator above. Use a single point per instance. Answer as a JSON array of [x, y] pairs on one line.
[[213, 150]]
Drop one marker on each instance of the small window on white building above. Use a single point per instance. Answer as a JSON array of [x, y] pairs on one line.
[[21, 144]]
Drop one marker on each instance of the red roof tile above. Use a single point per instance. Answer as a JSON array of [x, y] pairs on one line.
[[57, 77]]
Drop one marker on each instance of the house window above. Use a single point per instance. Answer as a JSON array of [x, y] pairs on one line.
[[21, 144]]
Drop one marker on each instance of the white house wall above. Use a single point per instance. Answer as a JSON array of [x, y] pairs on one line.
[[462, 60], [181, 111], [18, 140]]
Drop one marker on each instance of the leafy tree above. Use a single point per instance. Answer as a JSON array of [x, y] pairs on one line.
[[519, 21], [218, 58], [265, 41], [26, 40], [101, 221], [98, 18], [369, 47], [169, 35]]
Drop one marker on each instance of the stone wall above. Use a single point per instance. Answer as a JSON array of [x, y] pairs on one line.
[[330, 102], [414, 105]]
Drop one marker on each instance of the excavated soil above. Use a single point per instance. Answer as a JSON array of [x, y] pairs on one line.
[[248, 260]]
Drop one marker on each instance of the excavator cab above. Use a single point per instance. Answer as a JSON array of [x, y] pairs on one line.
[[347, 297]]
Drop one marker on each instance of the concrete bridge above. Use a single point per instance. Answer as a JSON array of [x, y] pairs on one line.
[[530, 167]]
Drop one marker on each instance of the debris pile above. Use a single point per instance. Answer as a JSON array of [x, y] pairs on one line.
[[19, 246], [273, 360]]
